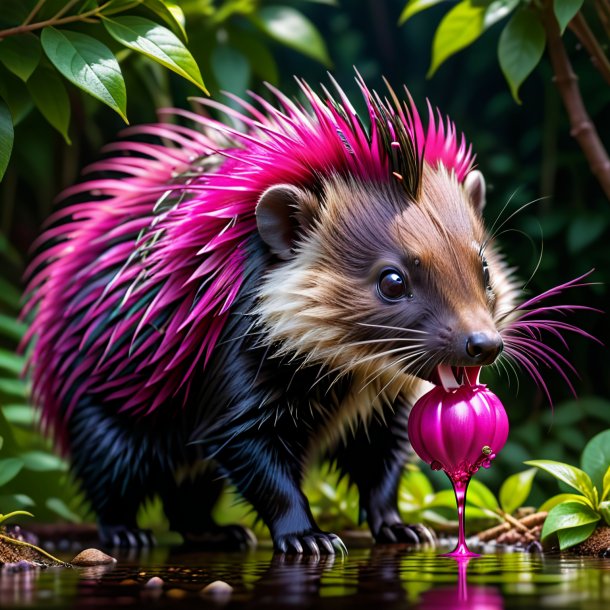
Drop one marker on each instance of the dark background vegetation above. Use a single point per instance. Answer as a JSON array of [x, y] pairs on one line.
[[525, 151]]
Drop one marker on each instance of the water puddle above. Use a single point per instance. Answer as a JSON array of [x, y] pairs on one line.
[[367, 578]]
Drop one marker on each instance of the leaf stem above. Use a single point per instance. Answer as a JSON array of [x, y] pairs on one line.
[[33, 12], [582, 128], [29, 27], [583, 32], [61, 12], [10, 540]]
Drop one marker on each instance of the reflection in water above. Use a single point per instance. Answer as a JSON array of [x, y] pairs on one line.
[[462, 596], [390, 577]]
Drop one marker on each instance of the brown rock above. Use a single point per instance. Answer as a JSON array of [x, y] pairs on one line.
[[92, 557]]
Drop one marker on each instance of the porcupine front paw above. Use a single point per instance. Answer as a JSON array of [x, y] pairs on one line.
[[122, 536], [310, 542], [221, 537], [397, 533]]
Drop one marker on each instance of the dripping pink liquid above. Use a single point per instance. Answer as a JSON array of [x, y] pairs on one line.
[[461, 550]]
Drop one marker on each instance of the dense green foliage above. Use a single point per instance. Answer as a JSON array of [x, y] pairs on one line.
[[525, 152]]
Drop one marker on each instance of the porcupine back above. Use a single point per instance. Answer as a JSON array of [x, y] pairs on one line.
[[132, 285]]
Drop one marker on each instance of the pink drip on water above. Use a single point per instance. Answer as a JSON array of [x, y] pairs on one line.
[[460, 486]]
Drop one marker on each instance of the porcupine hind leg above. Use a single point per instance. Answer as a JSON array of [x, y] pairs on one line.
[[188, 502], [374, 460], [113, 462]]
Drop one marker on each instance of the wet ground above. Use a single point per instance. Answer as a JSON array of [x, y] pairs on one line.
[[377, 578]]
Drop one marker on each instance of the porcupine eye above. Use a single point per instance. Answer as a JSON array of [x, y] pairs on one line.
[[486, 279], [392, 285]]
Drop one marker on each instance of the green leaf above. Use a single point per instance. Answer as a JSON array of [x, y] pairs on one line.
[[565, 10], [595, 458], [9, 469], [156, 42], [7, 136], [416, 6], [567, 515], [290, 27], [498, 9], [606, 485], [231, 69], [516, 489], [460, 27], [51, 98], [41, 461], [417, 486], [559, 499], [572, 476], [171, 13], [11, 328], [604, 510], [89, 64], [575, 535], [21, 54], [58, 506], [262, 62], [520, 48], [12, 502], [11, 362], [480, 495], [9, 295], [584, 230]]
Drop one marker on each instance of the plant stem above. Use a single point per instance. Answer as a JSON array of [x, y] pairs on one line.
[[10, 540], [494, 532], [33, 12], [61, 12], [29, 27], [603, 12], [583, 32], [582, 128]]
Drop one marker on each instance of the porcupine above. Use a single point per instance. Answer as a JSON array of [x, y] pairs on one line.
[[232, 302]]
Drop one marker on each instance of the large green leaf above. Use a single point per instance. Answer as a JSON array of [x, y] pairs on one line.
[[565, 10], [567, 515], [7, 136], [290, 27], [88, 64], [516, 489], [560, 499], [595, 458], [156, 42], [480, 495], [575, 535], [21, 54], [11, 328], [606, 485], [572, 476], [460, 27], [171, 13], [604, 510], [9, 469], [51, 98], [416, 6], [520, 48]]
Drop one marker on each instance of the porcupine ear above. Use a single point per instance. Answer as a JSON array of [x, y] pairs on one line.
[[474, 185], [281, 212]]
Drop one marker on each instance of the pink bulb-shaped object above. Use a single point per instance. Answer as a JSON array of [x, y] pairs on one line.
[[458, 430]]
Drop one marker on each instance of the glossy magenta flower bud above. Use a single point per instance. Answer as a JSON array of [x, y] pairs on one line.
[[458, 430]]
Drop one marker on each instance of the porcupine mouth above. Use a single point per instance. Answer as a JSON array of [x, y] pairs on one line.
[[452, 377]]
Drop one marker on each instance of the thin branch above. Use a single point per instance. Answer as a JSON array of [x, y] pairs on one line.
[[65, 9], [583, 32], [21, 29], [582, 128], [603, 11], [34, 11]]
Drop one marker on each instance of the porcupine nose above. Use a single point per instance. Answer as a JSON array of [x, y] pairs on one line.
[[484, 347]]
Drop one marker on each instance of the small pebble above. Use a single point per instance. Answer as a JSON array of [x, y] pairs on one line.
[[218, 588], [154, 583], [176, 593], [92, 557]]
